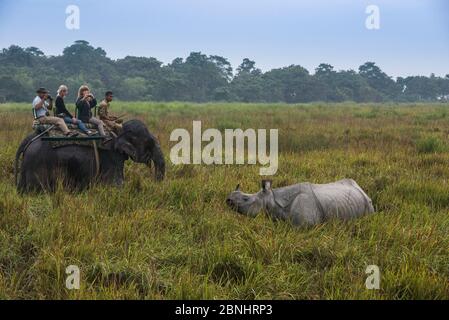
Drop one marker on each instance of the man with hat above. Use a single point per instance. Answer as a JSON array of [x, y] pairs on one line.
[[41, 104]]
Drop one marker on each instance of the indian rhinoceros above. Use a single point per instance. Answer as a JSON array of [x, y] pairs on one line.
[[304, 204]]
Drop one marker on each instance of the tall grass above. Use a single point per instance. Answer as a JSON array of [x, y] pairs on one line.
[[177, 239]]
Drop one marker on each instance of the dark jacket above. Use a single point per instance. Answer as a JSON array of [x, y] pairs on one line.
[[83, 107], [60, 108]]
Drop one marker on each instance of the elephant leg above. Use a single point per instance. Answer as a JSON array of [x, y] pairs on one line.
[[38, 180], [22, 181], [305, 211], [78, 175], [112, 166], [112, 177]]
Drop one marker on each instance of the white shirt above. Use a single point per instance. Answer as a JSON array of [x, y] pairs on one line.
[[41, 111]]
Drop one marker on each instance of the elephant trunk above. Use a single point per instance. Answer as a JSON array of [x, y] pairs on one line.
[[159, 163]]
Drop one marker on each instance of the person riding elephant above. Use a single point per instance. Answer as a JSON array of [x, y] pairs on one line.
[[61, 110], [85, 102], [111, 121], [42, 103]]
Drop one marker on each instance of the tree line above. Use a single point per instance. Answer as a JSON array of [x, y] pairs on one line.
[[202, 78]]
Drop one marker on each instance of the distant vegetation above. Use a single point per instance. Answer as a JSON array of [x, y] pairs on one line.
[[202, 78]]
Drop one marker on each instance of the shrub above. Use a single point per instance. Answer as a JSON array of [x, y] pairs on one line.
[[430, 145]]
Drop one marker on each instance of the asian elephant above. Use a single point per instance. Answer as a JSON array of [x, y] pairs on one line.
[[39, 165]]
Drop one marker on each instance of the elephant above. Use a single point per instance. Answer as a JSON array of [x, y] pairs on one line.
[[304, 204], [39, 166]]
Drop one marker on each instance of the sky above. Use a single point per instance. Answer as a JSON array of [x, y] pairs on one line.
[[413, 38]]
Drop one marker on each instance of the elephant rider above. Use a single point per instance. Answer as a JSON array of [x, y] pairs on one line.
[[85, 102], [112, 122], [62, 112], [41, 106]]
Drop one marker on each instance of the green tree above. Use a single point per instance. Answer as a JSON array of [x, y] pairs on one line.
[[201, 78], [379, 80]]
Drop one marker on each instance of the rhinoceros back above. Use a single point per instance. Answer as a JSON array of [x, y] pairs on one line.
[[343, 199]]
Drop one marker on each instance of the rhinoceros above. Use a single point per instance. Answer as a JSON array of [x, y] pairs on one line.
[[304, 204]]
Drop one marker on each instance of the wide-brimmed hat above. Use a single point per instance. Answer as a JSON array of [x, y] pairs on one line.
[[42, 90]]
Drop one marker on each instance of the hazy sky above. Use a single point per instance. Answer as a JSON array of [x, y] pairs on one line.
[[413, 37]]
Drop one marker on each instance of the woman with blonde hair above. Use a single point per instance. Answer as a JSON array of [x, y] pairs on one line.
[[61, 110], [85, 102]]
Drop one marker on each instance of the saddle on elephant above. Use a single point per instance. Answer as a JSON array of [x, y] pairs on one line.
[[61, 140]]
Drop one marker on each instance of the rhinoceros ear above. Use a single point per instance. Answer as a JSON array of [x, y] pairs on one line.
[[266, 184], [238, 187]]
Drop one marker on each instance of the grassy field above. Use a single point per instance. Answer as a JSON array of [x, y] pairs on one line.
[[177, 239]]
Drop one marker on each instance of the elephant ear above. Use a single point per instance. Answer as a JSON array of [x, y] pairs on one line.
[[128, 149]]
